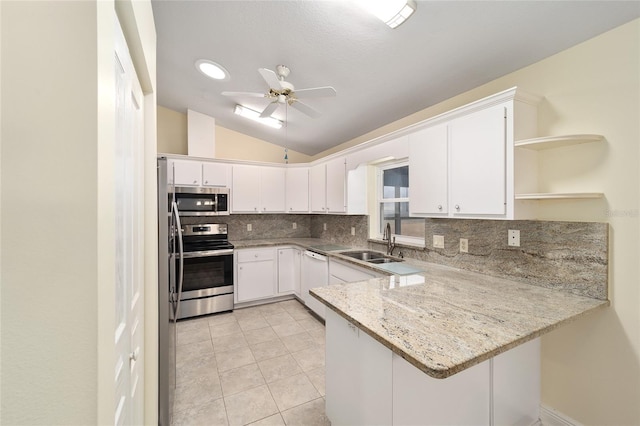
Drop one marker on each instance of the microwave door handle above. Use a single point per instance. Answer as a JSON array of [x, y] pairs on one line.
[[174, 209]]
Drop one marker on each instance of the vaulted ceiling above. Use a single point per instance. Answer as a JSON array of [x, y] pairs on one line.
[[380, 74]]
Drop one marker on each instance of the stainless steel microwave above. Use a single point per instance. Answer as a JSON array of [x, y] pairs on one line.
[[202, 201]]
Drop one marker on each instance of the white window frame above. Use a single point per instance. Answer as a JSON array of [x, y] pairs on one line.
[[402, 239]]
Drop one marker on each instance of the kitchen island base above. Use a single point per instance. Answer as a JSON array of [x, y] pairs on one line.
[[368, 384]]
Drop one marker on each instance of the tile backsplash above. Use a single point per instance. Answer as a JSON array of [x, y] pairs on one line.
[[567, 256]]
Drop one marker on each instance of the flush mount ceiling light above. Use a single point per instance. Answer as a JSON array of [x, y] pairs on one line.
[[391, 12], [255, 116], [212, 70]]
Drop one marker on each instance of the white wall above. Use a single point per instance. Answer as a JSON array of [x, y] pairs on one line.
[[57, 208]]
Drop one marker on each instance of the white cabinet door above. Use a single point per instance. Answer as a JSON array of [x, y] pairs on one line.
[[289, 270], [343, 272], [185, 172], [428, 170], [272, 187], [419, 399], [315, 273], [336, 179], [256, 274], [297, 190], [245, 195], [358, 376], [318, 188], [478, 162], [215, 174]]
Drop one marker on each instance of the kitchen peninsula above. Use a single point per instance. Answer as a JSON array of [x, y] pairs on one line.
[[445, 346]]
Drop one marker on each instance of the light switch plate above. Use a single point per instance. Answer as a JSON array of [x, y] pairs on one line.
[[464, 245], [438, 241], [353, 230], [324, 226], [514, 238], [249, 227], [295, 225]]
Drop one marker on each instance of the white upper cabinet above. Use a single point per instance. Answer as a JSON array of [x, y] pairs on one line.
[[215, 174], [318, 188], [336, 186], [428, 169], [297, 190], [478, 162], [257, 189], [185, 172]]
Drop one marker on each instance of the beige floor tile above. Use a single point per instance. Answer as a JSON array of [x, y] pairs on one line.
[[288, 329], [269, 349], [252, 323], [234, 358], [275, 420], [310, 358], [241, 378], [250, 405], [192, 369], [224, 329], [300, 313], [209, 414], [318, 336], [260, 335], [292, 391], [317, 379], [192, 335], [311, 324], [194, 350], [309, 414], [191, 324], [279, 367], [278, 318], [298, 342], [270, 309], [221, 318], [227, 343], [197, 392]]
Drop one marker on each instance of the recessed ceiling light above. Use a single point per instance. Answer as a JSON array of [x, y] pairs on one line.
[[212, 70]]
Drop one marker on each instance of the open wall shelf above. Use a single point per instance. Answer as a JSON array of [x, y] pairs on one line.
[[559, 196], [550, 142]]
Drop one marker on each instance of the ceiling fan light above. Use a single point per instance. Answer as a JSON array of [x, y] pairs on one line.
[[391, 12], [255, 116], [212, 70]]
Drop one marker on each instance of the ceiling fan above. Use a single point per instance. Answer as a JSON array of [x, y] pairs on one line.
[[282, 92]]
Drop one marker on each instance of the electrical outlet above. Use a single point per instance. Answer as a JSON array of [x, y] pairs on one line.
[[438, 241], [249, 227], [324, 226], [514, 238], [294, 226], [353, 230], [464, 245]]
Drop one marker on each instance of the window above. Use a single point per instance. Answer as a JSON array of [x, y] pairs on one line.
[[393, 205]]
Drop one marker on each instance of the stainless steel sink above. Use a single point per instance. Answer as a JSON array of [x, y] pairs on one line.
[[370, 256]]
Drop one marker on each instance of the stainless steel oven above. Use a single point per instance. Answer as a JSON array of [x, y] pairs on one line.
[[206, 267]]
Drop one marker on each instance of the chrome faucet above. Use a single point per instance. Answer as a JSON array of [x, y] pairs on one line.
[[387, 237]]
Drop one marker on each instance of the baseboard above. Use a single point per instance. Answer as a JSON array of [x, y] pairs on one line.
[[551, 417]]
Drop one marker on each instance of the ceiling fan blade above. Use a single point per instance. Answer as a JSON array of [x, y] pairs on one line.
[[245, 94], [306, 109], [271, 78], [316, 92], [269, 109]]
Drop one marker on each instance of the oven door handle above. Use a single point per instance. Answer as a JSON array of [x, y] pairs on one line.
[[210, 253], [176, 213]]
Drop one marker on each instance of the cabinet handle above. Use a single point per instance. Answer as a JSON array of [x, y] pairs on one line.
[[206, 182], [439, 206], [255, 255], [457, 207], [195, 181]]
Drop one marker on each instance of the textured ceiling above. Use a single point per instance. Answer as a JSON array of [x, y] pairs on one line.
[[380, 74]]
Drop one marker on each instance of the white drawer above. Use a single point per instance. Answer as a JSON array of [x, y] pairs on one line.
[[255, 255]]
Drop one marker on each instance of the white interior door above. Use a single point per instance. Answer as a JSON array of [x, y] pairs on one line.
[[129, 330]]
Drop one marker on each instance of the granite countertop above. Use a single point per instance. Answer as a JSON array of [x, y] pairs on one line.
[[444, 320], [440, 319]]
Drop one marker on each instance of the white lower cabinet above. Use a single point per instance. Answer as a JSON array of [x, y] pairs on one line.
[[419, 399], [358, 376], [256, 274], [341, 272], [367, 384], [289, 264]]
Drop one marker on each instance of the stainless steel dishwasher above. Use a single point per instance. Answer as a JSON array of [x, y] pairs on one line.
[[315, 273]]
